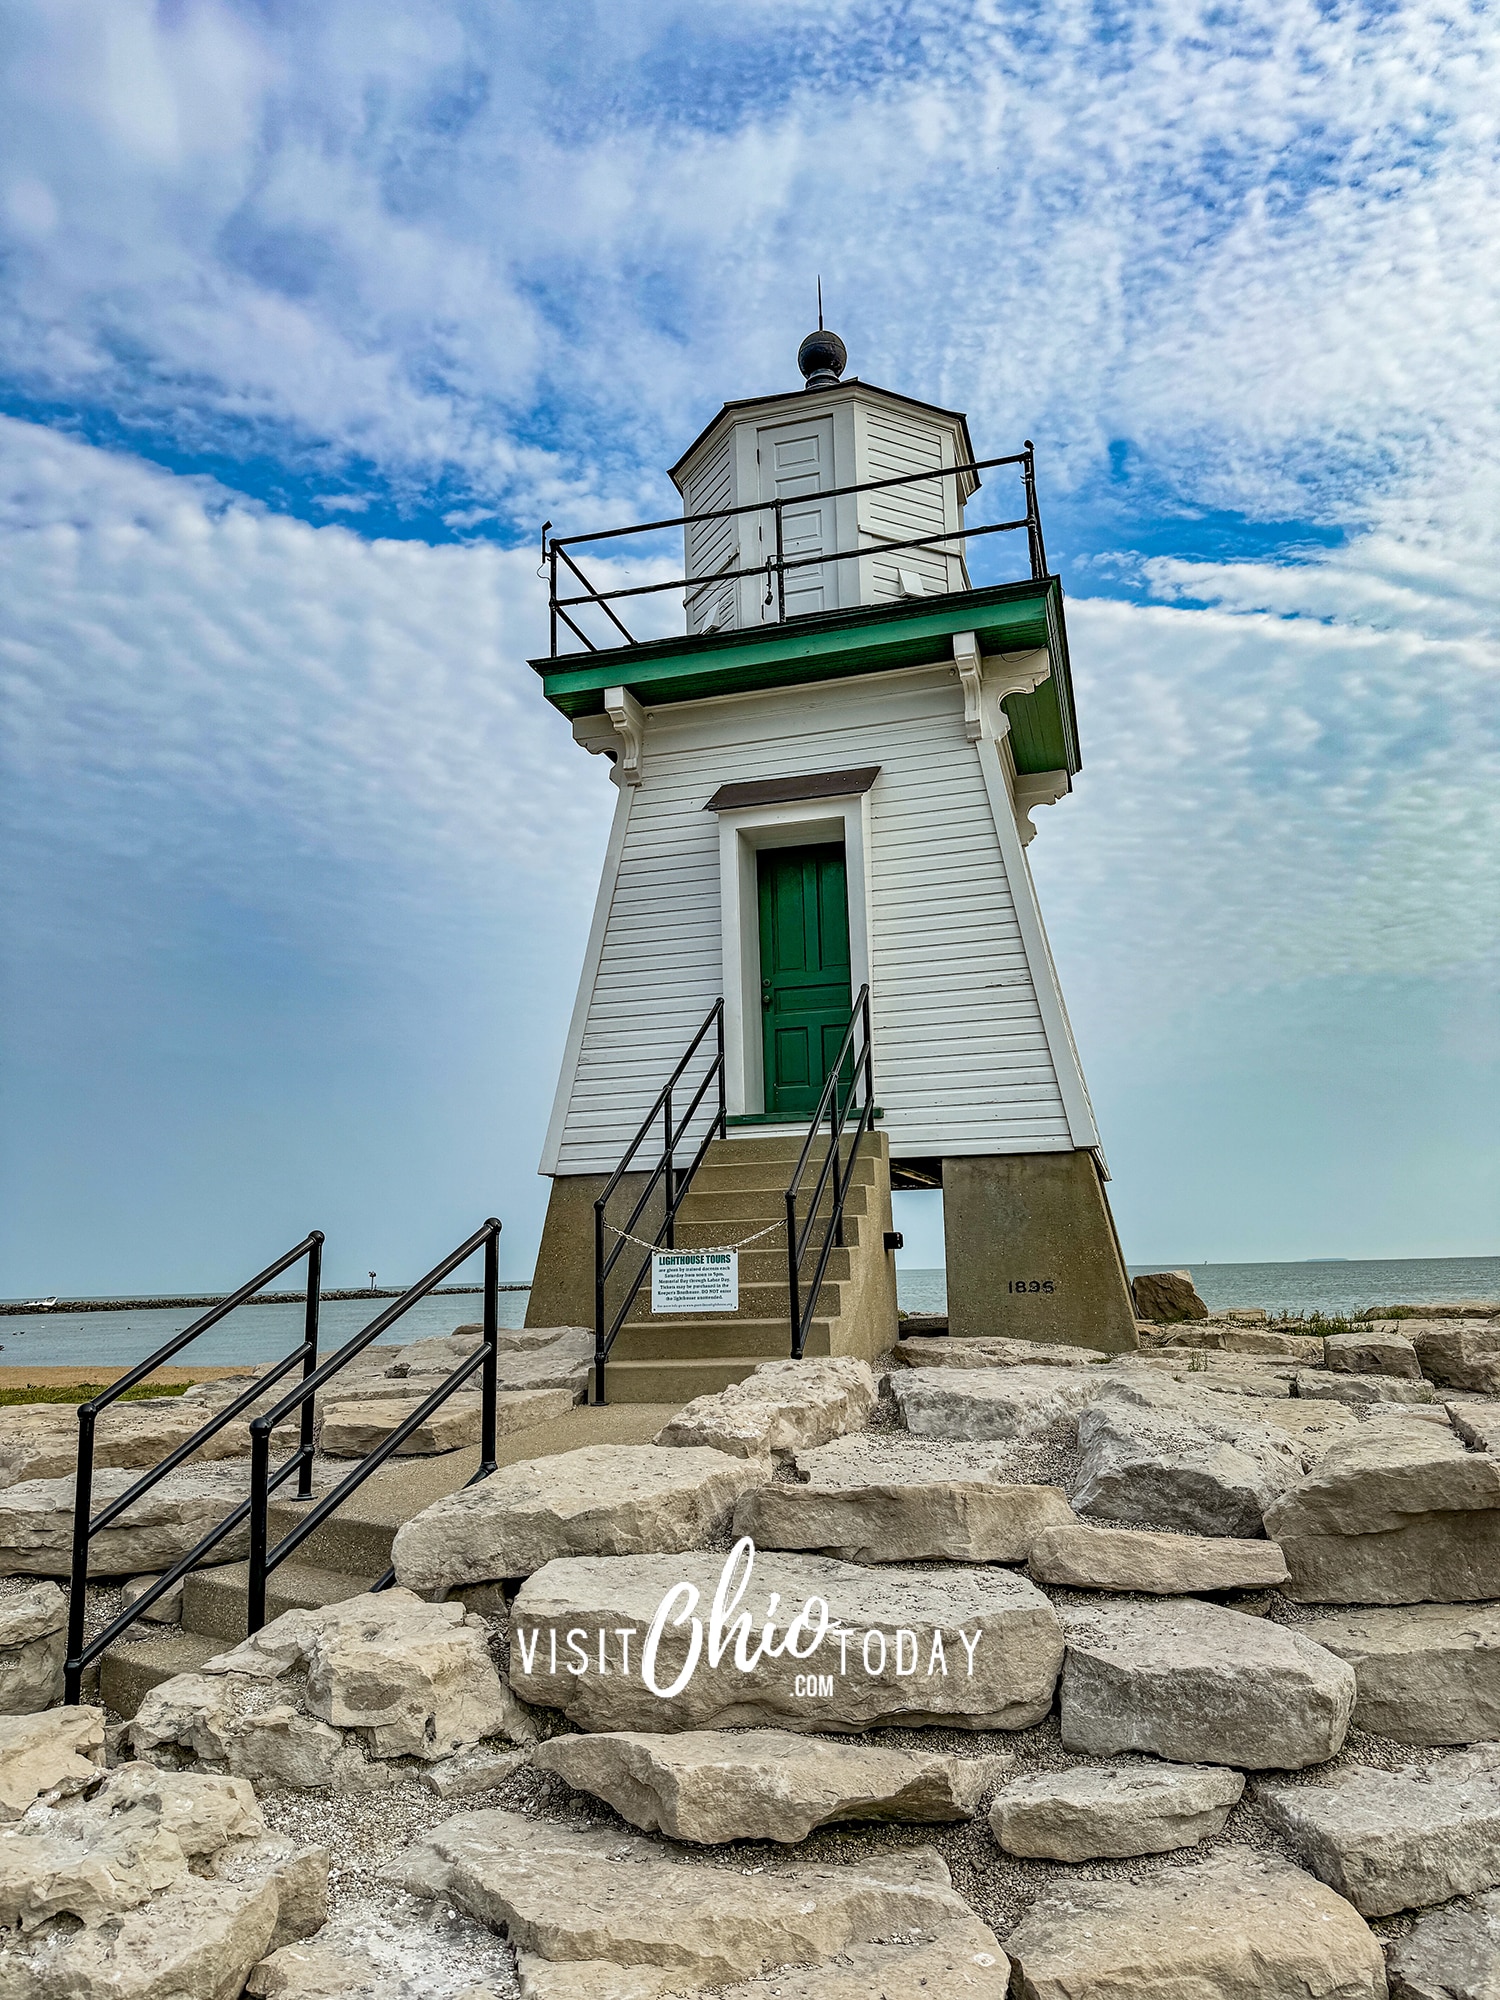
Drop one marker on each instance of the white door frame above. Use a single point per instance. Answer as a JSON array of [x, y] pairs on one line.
[[743, 831]]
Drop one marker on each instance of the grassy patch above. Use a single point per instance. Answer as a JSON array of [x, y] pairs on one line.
[[1315, 1323], [80, 1392]]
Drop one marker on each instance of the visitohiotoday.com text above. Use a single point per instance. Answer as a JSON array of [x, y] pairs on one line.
[[606, 1651]]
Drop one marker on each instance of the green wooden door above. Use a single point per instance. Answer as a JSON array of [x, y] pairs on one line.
[[804, 971]]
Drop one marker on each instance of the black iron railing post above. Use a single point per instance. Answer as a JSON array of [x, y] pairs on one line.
[[723, 1101], [552, 596], [1033, 515], [780, 568], [671, 1178], [599, 1346], [491, 1345], [793, 1260], [835, 1134], [310, 1360], [260, 1473], [83, 1500]]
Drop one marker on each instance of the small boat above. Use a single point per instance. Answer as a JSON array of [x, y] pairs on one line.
[[37, 1305]]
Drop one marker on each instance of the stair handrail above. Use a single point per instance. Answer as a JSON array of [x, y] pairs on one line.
[[80, 1655], [835, 1103], [263, 1482], [678, 1181]]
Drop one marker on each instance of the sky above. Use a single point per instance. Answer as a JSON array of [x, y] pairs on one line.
[[310, 316]]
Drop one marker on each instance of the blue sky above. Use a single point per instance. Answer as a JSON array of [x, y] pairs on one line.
[[310, 316]]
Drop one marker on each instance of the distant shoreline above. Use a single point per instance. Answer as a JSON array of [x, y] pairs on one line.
[[217, 1299]]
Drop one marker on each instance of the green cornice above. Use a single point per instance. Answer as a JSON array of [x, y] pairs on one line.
[[831, 645]]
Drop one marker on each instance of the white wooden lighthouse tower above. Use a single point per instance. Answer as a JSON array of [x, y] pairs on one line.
[[826, 785]]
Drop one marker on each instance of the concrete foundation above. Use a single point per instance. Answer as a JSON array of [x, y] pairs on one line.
[[1032, 1251], [562, 1286]]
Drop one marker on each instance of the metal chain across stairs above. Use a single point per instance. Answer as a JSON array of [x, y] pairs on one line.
[[701, 1250]]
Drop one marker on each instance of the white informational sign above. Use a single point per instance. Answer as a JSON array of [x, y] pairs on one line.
[[695, 1281]]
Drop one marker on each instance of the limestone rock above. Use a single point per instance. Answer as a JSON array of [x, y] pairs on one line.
[[1168, 1455], [33, 1643], [471, 1771], [992, 1352], [60, 1752], [1362, 1391], [1451, 1954], [763, 1784], [384, 1673], [1426, 1673], [164, 1610], [1457, 1355], [1086, 1558], [352, 1429], [603, 1499], [959, 1520], [1478, 1424], [36, 1522], [1113, 1810], [959, 1961], [1394, 1840], [390, 1947], [783, 1406], [162, 1887], [583, 1896], [893, 1458], [1167, 1297], [983, 1403], [903, 1660], [1372, 1352], [40, 1440], [1199, 1684], [1236, 1926], [1309, 1427], [1395, 1514], [417, 1677]]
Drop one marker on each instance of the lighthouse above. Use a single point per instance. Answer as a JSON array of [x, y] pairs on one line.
[[817, 968]]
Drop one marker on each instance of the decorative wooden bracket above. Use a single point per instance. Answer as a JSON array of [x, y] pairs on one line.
[[629, 720], [995, 675], [969, 662], [1033, 789]]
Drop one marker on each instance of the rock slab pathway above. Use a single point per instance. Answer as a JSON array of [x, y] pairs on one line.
[[1199, 1684], [588, 1899], [1112, 1811], [1239, 1926], [1088, 1558], [601, 1500], [764, 1784], [964, 1648]]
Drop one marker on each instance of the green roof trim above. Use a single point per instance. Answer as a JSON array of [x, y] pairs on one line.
[[832, 645]]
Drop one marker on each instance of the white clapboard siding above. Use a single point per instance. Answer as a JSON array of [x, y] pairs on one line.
[[894, 445], [711, 546], [963, 1060]]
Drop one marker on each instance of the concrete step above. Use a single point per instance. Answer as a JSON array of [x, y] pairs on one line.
[[772, 1176], [707, 1339], [754, 1207], [629, 1384], [700, 1233], [357, 1539], [742, 1148], [214, 1600], [129, 1669]]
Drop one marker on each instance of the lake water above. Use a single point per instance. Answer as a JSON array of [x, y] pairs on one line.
[[250, 1333], [1339, 1287], [264, 1333]]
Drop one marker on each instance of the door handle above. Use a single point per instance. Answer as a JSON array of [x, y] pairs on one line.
[[765, 993]]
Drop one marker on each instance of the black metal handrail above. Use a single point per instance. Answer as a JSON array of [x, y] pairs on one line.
[[263, 1482], [80, 1655], [835, 1102], [678, 1181], [776, 566]]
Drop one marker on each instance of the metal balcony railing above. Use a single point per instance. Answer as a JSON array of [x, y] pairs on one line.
[[557, 556]]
